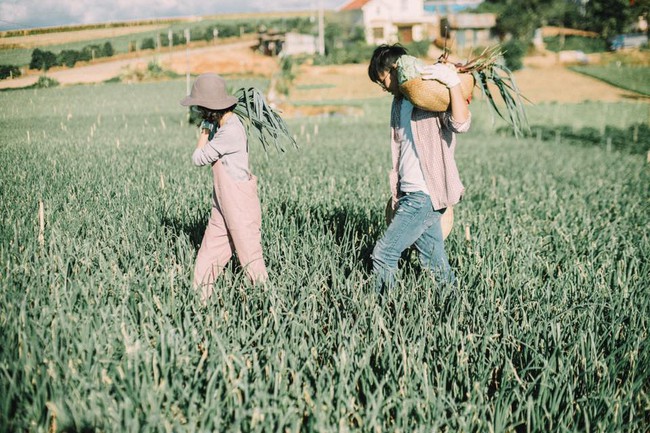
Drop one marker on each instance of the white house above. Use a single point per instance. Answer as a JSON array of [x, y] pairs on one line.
[[390, 21], [274, 43], [298, 43]]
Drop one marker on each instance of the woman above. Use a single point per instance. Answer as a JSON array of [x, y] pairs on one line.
[[424, 180], [235, 219]]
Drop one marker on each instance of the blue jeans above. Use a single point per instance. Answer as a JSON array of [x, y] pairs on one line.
[[415, 222]]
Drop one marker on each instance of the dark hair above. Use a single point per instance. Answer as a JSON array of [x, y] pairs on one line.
[[383, 58], [214, 116]]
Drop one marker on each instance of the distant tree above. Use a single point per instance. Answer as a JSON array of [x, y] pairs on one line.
[[178, 38], [147, 44], [607, 17], [199, 34], [519, 19], [87, 53], [67, 58], [42, 60], [209, 33], [611, 17], [7, 71], [107, 49], [514, 51]]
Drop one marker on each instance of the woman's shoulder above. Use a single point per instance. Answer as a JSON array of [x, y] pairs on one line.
[[234, 125]]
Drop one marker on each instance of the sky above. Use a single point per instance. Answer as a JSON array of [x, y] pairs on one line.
[[22, 14]]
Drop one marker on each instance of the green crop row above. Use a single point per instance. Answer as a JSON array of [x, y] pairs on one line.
[[101, 330], [634, 78]]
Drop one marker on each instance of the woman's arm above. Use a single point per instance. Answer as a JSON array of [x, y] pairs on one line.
[[204, 155], [229, 138]]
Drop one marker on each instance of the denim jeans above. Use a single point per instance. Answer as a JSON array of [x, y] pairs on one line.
[[415, 222]]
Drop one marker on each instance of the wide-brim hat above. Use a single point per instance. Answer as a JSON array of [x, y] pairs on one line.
[[209, 91]]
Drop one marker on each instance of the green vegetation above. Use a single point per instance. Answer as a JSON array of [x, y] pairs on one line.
[[153, 72], [44, 60], [102, 332], [634, 78], [605, 17], [579, 43], [9, 71], [45, 82]]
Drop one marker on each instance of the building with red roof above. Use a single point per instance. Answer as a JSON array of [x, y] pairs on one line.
[[390, 21]]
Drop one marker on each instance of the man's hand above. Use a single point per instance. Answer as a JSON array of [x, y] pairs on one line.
[[443, 72]]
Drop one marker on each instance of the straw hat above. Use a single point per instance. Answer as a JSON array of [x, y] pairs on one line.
[[432, 95], [209, 91], [446, 221]]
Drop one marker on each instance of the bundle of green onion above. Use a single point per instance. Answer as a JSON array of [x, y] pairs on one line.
[[262, 123]]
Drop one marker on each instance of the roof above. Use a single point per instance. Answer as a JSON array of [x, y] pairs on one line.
[[472, 21], [353, 5]]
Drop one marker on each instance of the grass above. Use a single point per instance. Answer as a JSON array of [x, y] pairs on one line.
[[580, 43], [101, 331], [633, 78]]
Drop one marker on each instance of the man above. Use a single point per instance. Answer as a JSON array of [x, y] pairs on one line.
[[424, 178]]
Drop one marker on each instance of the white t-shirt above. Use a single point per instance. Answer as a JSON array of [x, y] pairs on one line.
[[411, 178]]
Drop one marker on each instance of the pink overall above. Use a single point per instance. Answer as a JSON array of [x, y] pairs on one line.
[[234, 224]]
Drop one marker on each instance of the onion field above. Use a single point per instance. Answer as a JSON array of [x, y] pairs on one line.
[[102, 213]]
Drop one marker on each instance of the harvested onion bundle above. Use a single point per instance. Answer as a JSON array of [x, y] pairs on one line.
[[431, 95]]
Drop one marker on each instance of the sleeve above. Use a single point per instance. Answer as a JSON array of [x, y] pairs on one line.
[[228, 139], [457, 127]]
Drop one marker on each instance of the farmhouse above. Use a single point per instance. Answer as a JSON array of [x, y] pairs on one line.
[[390, 21]]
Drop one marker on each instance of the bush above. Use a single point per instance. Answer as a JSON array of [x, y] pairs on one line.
[[42, 60], [579, 43], [45, 82], [513, 54], [147, 44], [67, 58], [178, 38], [7, 71], [418, 49], [107, 50]]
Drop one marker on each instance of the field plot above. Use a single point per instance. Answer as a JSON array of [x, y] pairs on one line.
[[101, 331], [58, 38]]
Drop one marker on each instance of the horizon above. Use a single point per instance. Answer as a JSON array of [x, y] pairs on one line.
[[20, 15]]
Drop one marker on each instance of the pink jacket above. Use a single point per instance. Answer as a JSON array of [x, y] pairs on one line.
[[434, 133]]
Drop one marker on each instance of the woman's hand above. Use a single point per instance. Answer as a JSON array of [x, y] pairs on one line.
[[204, 136]]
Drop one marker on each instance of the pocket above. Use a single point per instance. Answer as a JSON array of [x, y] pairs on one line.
[[411, 203]]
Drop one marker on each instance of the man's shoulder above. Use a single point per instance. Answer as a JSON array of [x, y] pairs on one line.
[[420, 114]]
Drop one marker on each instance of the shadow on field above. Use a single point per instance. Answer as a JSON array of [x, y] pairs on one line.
[[634, 139], [193, 228], [354, 231]]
